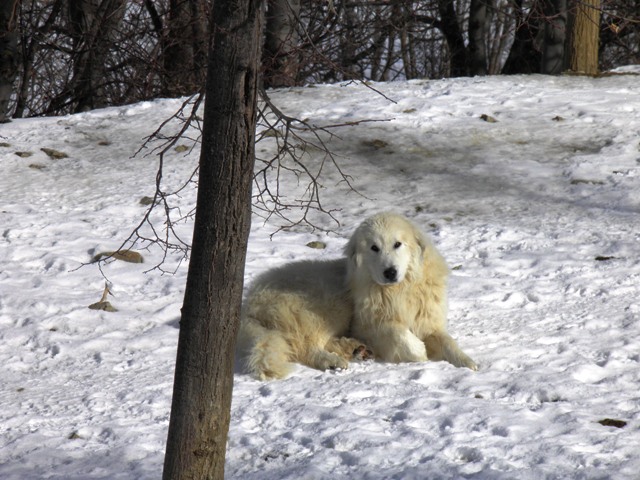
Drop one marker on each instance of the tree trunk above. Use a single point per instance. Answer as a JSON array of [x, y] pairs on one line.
[[478, 37], [348, 42], [455, 41], [200, 410], [93, 24], [184, 48], [281, 44], [8, 54], [524, 55], [585, 37], [555, 33]]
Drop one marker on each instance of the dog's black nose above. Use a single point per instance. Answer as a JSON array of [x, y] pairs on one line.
[[391, 274]]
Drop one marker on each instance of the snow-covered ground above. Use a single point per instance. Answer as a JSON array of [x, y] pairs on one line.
[[537, 213]]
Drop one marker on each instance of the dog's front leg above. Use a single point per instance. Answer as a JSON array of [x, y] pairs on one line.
[[441, 346], [395, 343]]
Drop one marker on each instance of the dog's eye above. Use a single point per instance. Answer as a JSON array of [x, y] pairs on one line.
[[375, 248], [397, 245]]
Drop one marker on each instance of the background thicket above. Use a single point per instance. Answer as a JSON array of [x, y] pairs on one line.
[[62, 56]]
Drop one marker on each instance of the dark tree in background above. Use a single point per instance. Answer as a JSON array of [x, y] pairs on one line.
[[478, 24], [453, 35], [8, 54], [281, 45], [555, 36], [93, 28], [184, 47], [525, 54], [200, 411], [62, 56]]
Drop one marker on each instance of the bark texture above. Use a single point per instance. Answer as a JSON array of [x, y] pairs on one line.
[[477, 37], [93, 25], [200, 410], [8, 54], [455, 40], [555, 33], [185, 48], [585, 38], [281, 55]]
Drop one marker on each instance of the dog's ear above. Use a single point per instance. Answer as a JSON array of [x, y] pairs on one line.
[[351, 251], [421, 239]]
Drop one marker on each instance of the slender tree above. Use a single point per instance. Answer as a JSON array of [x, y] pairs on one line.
[[93, 26], [281, 46], [585, 37], [8, 54], [478, 24], [555, 34], [184, 49], [454, 37], [524, 54], [200, 410]]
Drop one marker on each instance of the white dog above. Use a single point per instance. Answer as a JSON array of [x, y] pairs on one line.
[[390, 293], [398, 285]]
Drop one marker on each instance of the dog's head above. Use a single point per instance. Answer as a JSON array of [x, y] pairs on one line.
[[385, 247]]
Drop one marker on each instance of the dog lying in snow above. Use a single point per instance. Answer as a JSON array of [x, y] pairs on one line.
[[387, 295]]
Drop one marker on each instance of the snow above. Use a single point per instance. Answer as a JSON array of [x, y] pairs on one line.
[[536, 212]]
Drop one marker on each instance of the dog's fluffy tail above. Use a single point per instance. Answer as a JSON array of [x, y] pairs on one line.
[[266, 353]]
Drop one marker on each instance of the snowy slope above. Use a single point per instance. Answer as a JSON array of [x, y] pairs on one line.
[[537, 212]]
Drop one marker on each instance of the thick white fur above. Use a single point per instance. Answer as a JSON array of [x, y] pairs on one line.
[[392, 300], [403, 320], [298, 313]]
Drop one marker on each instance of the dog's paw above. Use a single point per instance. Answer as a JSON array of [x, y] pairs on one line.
[[472, 365], [362, 353], [465, 361], [331, 361]]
